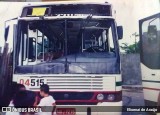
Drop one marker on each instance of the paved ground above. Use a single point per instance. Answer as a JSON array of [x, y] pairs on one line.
[[133, 98]]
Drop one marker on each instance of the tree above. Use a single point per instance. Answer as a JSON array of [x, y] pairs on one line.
[[133, 48]]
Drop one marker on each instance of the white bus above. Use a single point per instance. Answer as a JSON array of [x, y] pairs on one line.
[[72, 47], [150, 58]]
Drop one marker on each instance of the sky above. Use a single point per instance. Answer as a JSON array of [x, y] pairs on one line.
[[127, 14]]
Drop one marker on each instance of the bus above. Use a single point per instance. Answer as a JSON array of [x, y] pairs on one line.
[[72, 47], [149, 29]]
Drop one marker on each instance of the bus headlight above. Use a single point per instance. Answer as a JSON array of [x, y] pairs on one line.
[[100, 97], [110, 97]]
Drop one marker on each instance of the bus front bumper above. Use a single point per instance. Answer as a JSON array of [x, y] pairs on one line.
[[104, 108]]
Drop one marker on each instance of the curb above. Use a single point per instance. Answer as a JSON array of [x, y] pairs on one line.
[[132, 87]]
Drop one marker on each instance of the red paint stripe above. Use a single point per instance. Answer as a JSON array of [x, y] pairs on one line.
[[83, 101], [151, 88], [93, 99], [108, 92]]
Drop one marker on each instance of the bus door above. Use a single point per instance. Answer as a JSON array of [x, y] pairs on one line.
[[10, 36], [6, 62]]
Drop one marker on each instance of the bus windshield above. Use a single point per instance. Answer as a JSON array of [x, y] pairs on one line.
[[67, 44]]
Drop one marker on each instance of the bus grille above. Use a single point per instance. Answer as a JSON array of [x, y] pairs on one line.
[[75, 83], [78, 83]]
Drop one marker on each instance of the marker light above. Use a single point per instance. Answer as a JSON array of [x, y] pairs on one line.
[[100, 97], [110, 97]]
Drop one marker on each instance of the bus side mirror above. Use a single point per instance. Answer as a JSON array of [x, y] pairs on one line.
[[6, 33], [120, 32], [152, 32]]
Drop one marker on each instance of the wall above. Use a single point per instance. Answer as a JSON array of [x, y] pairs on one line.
[[55, 0], [34, 0], [0, 49], [131, 74]]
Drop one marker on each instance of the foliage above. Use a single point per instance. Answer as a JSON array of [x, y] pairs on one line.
[[133, 48]]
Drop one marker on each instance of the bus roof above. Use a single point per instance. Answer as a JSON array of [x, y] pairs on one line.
[[66, 2]]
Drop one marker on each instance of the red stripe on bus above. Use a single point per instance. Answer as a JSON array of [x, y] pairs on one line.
[[84, 101], [83, 91], [93, 99]]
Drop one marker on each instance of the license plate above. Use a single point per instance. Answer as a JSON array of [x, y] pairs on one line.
[[65, 111]]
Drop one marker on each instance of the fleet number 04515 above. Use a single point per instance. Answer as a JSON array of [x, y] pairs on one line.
[[32, 82]]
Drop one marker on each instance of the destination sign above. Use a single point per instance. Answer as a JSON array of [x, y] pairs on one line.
[[67, 10]]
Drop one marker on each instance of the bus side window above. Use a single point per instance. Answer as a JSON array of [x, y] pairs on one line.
[[6, 33], [109, 40], [110, 35]]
